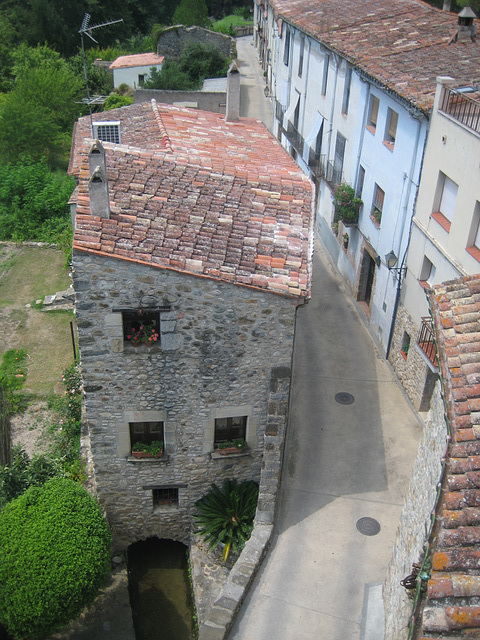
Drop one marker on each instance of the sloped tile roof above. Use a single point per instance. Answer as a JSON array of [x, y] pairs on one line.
[[191, 192], [137, 60], [453, 598], [404, 44]]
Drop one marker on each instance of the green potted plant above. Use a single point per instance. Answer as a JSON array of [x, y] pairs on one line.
[[232, 446], [347, 206], [143, 450], [145, 334]]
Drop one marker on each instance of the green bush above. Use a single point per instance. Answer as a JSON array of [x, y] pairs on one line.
[[226, 515], [190, 13], [196, 63], [33, 201], [114, 101], [54, 556]]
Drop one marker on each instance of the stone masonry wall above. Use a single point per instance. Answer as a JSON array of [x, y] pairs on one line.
[[214, 101], [413, 373], [219, 344], [416, 518], [174, 39]]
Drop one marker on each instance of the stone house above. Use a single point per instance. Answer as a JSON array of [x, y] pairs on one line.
[[438, 541], [201, 228]]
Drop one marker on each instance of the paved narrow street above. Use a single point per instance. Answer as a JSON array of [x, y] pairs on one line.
[[322, 577]]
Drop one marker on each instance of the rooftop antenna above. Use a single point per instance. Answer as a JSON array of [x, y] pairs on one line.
[[87, 30]]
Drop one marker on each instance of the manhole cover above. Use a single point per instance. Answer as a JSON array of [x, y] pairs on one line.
[[368, 526], [344, 398]]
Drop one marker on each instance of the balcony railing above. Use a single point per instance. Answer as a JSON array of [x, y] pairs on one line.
[[317, 164], [294, 137], [279, 111], [426, 341], [461, 107]]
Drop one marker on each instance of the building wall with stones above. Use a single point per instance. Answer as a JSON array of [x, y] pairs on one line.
[[417, 377], [222, 346], [173, 40], [214, 101], [416, 518]]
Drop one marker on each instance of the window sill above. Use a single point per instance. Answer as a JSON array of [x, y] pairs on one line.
[[163, 459], [425, 284], [389, 144], [442, 220], [377, 224], [404, 355], [474, 252], [371, 128], [215, 455]]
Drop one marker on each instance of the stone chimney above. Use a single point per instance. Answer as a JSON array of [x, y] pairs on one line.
[[466, 27], [447, 5], [98, 182], [233, 93]]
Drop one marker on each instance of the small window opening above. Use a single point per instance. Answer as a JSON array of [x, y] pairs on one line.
[[405, 345], [141, 327], [165, 496], [228, 429], [373, 114]]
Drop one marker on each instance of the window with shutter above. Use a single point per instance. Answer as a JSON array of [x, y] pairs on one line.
[[445, 199], [391, 129], [373, 114]]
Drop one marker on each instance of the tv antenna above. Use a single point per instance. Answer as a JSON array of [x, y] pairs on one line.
[[85, 29]]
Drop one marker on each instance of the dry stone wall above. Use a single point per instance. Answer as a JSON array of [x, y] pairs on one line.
[[416, 518], [174, 39], [219, 345]]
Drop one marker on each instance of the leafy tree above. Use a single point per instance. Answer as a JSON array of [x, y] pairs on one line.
[[33, 201], [54, 556], [226, 515], [37, 115], [190, 13], [196, 62]]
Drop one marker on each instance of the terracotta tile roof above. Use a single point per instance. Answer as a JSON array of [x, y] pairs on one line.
[[405, 44], [191, 192], [453, 599], [137, 60]]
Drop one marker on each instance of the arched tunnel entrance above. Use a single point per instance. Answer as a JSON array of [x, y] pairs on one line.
[[160, 590]]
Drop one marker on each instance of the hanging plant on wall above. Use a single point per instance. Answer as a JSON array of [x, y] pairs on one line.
[[347, 206]]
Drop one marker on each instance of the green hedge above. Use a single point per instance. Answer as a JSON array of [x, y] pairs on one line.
[[54, 556]]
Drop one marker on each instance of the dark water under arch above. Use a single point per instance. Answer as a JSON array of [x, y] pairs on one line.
[[160, 591]]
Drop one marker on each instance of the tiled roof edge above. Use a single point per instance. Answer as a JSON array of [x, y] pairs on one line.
[[300, 298], [163, 132]]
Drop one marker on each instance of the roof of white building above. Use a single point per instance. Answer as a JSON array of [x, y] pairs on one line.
[[137, 60], [404, 44]]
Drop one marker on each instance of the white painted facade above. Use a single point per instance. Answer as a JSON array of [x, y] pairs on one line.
[[134, 77], [452, 151], [321, 97]]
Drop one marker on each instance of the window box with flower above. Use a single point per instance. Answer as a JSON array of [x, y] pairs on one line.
[[347, 206], [143, 334]]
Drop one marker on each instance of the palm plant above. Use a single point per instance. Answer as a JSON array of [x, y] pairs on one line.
[[226, 515]]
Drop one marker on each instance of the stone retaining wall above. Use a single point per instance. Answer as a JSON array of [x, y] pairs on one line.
[[415, 519], [173, 40], [219, 617], [214, 101]]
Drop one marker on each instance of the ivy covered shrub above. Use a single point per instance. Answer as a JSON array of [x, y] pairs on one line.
[[347, 206], [54, 556]]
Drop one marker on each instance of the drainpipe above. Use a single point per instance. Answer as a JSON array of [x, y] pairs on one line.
[[362, 134], [417, 116], [333, 105]]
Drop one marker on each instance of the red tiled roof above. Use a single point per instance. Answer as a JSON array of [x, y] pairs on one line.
[[453, 600], [405, 44], [137, 60], [191, 192]]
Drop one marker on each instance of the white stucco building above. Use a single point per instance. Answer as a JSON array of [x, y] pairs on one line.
[[353, 88], [445, 238], [135, 70]]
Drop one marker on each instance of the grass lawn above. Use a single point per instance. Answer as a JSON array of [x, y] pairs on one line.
[[231, 21], [29, 274]]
